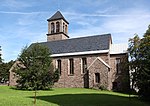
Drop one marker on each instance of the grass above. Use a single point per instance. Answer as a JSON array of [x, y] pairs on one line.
[[66, 97]]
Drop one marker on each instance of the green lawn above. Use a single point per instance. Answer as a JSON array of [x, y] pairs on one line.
[[66, 97]]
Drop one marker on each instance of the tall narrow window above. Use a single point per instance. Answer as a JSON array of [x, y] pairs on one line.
[[52, 28], [97, 78], [66, 29], [57, 27], [118, 65], [84, 65], [71, 66], [59, 66], [63, 27]]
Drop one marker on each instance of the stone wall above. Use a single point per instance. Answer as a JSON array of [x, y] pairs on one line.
[[55, 37], [63, 31], [12, 79], [121, 78], [77, 80], [102, 69], [95, 64], [12, 75]]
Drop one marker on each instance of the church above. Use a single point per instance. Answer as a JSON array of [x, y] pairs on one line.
[[85, 62]]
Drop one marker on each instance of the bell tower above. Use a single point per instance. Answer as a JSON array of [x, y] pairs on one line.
[[57, 27]]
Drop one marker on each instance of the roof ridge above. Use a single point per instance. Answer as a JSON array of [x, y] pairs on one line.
[[90, 36]]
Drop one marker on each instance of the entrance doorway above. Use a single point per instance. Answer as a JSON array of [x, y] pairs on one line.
[[86, 79]]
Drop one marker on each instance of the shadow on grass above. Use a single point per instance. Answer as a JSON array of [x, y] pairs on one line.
[[91, 100], [15, 88]]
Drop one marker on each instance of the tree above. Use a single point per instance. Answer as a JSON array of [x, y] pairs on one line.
[[134, 58], [56, 75], [143, 76], [4, 71], [35, 71], [0, 56], [139, 51], [0, 59]]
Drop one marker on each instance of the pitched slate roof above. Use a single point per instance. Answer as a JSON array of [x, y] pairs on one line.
[[57, 16], [82, 44]]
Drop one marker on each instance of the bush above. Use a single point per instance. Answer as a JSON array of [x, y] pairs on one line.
[[102, 87]]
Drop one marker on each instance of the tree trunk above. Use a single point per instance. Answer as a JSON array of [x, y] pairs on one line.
[[35, 98]]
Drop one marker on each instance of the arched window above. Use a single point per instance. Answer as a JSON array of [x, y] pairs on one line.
[[84, 65], [57, 27], [118, 62], [63, 27], [66, 29], [59, 66], [52, 28], [71, 63]]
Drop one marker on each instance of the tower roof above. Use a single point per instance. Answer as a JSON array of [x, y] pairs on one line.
[[57, 16]]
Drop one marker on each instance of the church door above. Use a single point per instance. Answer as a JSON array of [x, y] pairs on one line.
[[86, 79]]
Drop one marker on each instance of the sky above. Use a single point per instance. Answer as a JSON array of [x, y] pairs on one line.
[[23, 22]]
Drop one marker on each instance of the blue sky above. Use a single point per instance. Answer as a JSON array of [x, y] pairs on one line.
[[23, 22]]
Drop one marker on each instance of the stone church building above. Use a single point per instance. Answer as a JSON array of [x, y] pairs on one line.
[[85, 62]]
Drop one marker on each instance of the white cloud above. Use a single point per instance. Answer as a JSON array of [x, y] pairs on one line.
[[11, 48], [15, 4], [21, 13], [24, 30], [122, 26]]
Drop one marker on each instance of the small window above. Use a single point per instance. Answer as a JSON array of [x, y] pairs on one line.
[[97, 77], [59, 66], [63, 27], [66, 29], [57, 27], [118, 61], [71, 66], [52, 28], [115, 85], [84, 65]]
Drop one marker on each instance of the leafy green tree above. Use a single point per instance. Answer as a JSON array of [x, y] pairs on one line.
[[134, 58], [4, 71], [139, 51], [35, 71], [143, 76], [56, 75], [0, 55], [0, 58]]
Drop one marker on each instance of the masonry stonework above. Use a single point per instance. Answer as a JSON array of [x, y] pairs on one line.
[[122, 77], [58, 36], [12, 79], [77, 79]]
